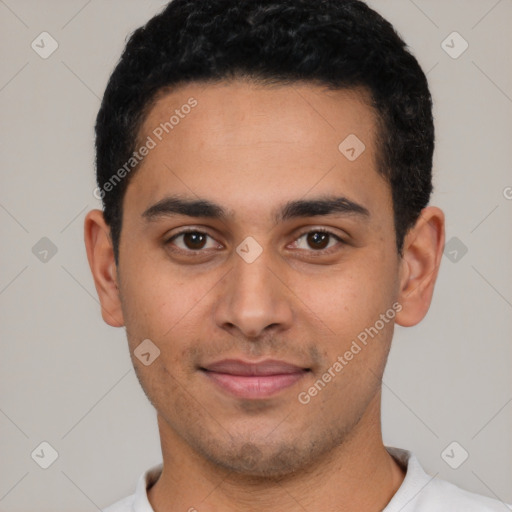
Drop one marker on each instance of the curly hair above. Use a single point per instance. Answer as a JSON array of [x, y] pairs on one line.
[[340, 44]]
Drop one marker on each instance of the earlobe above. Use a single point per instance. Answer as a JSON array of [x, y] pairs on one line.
[[422, 253], [100, 255]]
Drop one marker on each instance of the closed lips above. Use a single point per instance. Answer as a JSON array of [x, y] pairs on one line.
[[248, 369]]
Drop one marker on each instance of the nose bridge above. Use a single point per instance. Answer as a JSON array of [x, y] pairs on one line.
[[253, 298], [252, 279]]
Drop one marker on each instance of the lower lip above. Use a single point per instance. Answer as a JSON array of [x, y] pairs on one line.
[[254, 386]]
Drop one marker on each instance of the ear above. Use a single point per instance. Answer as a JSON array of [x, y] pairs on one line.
[[419, 266], [100, 254]]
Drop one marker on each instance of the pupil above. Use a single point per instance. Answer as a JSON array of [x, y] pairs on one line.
[[194, 240], [318, 239]]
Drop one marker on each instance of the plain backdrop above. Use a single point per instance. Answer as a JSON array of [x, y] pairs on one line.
[[67, 378]]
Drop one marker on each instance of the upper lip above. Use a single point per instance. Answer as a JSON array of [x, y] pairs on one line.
[[247, 368]]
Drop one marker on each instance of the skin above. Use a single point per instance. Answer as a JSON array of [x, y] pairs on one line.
[[252, 148]]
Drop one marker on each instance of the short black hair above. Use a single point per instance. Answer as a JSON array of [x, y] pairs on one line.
[[341, 44]]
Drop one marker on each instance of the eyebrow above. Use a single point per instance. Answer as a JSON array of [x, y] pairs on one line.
[[173, 205]]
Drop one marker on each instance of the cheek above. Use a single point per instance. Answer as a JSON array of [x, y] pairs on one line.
[[162, 304], [350, 299], [153, 299], [347, 296]]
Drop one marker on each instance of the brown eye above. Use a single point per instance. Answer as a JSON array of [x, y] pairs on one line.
[[318, 239], [194, 240]]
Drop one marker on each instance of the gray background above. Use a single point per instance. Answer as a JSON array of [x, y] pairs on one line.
[[66, 377]]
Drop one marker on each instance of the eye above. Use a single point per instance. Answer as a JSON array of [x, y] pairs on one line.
[[319, 240], [192, 241]]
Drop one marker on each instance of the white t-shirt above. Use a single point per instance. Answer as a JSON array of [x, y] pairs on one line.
[[419, 492]]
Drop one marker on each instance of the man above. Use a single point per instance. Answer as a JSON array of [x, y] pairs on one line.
[[265, 171]]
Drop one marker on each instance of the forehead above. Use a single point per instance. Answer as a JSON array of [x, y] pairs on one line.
[[252, 144], [292, 111]]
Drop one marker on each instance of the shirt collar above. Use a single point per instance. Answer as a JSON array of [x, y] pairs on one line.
[[146, 480]]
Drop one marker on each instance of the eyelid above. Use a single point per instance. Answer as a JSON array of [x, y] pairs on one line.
[[319, 229]]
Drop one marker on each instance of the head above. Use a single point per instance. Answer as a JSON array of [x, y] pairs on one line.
[[293, 140]]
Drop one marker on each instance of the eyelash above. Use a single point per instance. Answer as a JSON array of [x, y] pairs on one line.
[[316, 252]]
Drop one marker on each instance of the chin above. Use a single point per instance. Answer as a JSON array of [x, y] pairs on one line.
[[262, 460]]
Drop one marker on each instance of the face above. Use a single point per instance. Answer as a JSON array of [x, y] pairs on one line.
[[292, 259]]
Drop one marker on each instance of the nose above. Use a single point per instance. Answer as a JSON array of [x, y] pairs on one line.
[[254, 298]]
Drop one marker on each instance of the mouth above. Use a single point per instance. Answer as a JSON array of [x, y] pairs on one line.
[[251, 380]]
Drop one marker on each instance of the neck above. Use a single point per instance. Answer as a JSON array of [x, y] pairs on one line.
[[358, 475]]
